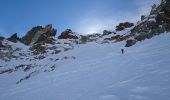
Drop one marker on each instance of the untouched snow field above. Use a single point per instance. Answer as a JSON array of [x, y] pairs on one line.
[[100, 72]]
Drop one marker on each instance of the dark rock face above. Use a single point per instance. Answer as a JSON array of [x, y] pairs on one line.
[[143, 36], [38, 49], [157, 22], [106, 32], [130, 43], [44, 39], [27, 39], [50, 31], [39, 34], [117, 37], [143, 17], [14, 38], [1, 45], [93, 37], [124, 25], [84, 39], [68, 34], [1, 38], [166, 16]]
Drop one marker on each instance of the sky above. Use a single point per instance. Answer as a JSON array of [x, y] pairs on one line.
[[82, 16]]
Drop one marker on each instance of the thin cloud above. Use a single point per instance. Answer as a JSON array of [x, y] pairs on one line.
[[143, 8], [95, 25], [145, 5]]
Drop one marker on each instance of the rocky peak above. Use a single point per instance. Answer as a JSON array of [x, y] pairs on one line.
[[49, 26], [39, 34], [157, 22], [68, 34], [14, 38], [50, 31]]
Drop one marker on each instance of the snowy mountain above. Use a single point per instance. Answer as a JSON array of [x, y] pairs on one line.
[[41, 66], [92, 71]]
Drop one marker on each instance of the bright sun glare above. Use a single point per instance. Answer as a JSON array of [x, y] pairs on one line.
[[93, 29]]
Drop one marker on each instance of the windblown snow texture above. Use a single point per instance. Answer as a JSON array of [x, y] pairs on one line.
[[97, 72]]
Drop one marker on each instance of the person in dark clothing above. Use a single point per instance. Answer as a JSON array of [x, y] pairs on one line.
[[1, 45], [122, 51]]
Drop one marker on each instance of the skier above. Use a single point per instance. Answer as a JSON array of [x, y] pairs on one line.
[[122, 50], [77, 43]]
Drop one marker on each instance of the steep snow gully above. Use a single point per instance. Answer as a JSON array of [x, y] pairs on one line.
[[100, 72]]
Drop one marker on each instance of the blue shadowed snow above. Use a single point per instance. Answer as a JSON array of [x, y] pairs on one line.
[[100, 72]]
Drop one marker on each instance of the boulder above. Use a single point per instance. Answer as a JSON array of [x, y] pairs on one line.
[[39, 34], [130, 42], [14, 38], [124, 25], [141, 36], [68, 34]]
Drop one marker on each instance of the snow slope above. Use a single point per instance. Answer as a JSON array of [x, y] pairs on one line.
[[100, 72]]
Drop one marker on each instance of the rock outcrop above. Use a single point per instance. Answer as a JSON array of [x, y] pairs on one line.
[[123, 26], [68, 34], [1, 38], [14, 38], [84, 39], [106, 32], [1, 45], [130, 43], [93, 37], [38, 49], [157, 22], [39, 34]]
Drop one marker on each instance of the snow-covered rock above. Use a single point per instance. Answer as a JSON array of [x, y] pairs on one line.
[[39, 34], [69, 34]]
